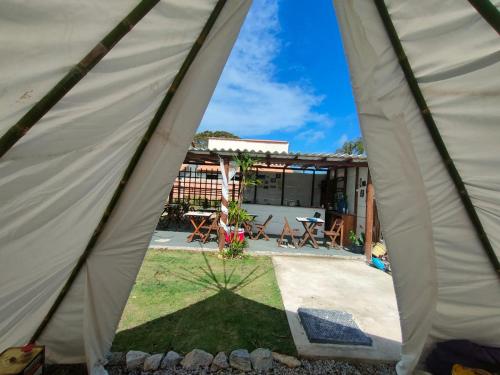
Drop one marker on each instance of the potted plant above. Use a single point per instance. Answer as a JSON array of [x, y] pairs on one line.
[[238, 215], [357, 243]]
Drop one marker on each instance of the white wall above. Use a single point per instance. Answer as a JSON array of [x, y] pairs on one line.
[[247, 144], [298, 187], [279, 212], [351, 189]]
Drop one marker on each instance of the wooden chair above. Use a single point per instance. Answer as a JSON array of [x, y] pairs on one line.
[[336, 232], [213, 226], [288, 231], [261, 229]]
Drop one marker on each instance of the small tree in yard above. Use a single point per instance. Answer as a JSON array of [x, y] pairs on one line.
[[237, 214]]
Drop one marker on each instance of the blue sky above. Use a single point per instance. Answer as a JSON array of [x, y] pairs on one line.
[[287, 79]]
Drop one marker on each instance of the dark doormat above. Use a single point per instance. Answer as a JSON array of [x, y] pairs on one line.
[[332, 327]]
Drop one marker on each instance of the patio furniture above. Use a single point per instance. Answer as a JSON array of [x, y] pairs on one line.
[[248, 226], [213, 226], [309, 224], [336, 232], [287, 231], [197, 219], [261, 228]]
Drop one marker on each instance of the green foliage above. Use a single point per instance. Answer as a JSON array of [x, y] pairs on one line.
[[184, 300], [245, 163], [355, 240], [237, 214], [352, 236], [200, 140], [352, 147], [235, 248]]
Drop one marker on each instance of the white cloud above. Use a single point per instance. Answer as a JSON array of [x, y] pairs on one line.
[[249, 100], [343, 139], [311, 135]]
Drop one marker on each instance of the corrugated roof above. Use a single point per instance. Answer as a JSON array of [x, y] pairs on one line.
[[291, 156]]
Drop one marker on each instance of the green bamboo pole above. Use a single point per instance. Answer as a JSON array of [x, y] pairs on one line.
[[75, 75], [132, 164], [488, 11], [435, 135]]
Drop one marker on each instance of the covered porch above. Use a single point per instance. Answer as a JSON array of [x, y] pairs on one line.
[[294, 186]]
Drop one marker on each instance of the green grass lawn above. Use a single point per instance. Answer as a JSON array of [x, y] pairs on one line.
[[184, 300]]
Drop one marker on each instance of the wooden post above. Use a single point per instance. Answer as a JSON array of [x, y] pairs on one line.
[[223, 216], [283, 186], [369, 219], [255, 187], [312, 188], [356, 194]]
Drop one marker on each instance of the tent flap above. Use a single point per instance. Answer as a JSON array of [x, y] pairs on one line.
[[57, 181], [445, 284]]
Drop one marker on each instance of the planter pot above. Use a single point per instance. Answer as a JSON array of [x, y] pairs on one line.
[[358, 249], [241, 235]]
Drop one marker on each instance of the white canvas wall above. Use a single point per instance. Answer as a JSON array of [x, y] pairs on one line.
[[56, 182], [445, 285]]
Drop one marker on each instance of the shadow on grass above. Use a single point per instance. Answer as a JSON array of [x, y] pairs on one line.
[[222, 322]]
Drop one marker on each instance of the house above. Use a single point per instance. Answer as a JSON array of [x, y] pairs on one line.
[[292, 184]]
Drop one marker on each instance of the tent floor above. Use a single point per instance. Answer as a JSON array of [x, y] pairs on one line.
[[176, 240], [346, 285]]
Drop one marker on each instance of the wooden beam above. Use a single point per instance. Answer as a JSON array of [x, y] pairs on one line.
[[369, 219], [255, 187], [356, 194], [312, 188], [283, 186]]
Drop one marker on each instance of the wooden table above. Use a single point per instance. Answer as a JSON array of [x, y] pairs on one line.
[[309, 223], [197, 219]]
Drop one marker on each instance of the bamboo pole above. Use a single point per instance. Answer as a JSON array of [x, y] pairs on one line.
[[75, 75], [435, 135], [223, 215], [369, 219], [197, 45], [488, 11]]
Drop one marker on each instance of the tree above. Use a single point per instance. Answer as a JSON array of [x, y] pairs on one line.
[[200, 140], [352, 147]]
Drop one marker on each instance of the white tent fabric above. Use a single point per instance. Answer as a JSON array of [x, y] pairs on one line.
[[445, 285], [58, 179], [56, 182]]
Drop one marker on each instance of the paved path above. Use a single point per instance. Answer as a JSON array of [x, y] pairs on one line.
[[346, 285], [176, 240]]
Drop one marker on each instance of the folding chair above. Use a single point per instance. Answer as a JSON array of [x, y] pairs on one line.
[[288, 231], [213, 226], [336, 232], [261, 229]]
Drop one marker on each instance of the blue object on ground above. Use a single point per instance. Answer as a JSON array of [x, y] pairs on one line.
[[377, 263]]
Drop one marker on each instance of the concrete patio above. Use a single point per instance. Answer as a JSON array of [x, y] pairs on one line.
[[176, 240], [344, 285]]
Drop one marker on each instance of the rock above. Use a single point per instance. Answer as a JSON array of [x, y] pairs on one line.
[[171, 360], [262, 359], [197, 358], [115, 359], [287, 360], [219, 362], [240, 360], [135, 359], [152, 363]]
